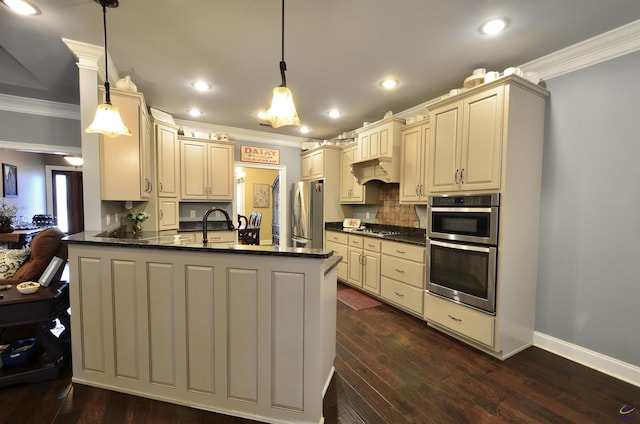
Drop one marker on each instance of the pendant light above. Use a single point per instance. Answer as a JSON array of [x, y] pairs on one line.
[[282, 111], [107, 120]]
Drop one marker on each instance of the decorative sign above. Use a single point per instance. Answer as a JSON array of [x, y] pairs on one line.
[[260, 155]]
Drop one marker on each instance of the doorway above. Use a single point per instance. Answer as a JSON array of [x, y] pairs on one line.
[[65, 198], [255, 192]]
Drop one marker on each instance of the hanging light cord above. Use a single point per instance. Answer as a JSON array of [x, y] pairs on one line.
[[107, 97], [283, 65]]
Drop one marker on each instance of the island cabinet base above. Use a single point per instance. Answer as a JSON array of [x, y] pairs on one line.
[[245, 335]]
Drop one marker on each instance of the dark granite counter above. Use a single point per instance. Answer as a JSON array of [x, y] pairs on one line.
[[156, 240], [409, 235]]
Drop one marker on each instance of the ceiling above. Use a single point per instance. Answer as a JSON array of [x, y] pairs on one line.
[[337, 51]]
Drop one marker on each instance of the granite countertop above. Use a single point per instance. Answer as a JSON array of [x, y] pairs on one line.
[[409, 235], [156, 240]]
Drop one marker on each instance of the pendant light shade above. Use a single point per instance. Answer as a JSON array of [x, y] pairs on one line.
[[107, 120], [283, 111]]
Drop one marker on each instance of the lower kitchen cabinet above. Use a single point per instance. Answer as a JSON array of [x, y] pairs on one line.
[[339, 243], [216, 238], [460, 319], [354, 276], [364, 263], [402, 280]]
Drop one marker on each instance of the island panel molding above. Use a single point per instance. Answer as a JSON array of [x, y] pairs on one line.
[[251, 333]]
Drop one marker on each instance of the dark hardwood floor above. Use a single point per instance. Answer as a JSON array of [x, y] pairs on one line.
[[390, 368]]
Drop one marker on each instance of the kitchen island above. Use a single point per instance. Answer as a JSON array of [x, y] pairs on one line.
[[247, 331]]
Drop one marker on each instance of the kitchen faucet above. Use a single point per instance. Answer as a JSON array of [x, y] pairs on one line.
[[204, 222]]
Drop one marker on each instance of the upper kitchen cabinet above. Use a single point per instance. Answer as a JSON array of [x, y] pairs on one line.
[[206, 170], [471, 132], [415, 160], [350, 191], [315, 163], [125, 161], [379, 148], [167, 159], [380, 139]]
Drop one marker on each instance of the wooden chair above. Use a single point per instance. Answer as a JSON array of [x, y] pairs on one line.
[[250, 233]]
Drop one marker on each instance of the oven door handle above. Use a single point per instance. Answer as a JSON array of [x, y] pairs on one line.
[[459, 246], [464, 210]]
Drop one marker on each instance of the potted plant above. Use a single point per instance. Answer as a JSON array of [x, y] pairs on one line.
[[136, 218], [7, 213]]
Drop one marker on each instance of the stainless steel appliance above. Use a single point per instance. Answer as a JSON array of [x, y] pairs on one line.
[[307, 220], [462, 250]]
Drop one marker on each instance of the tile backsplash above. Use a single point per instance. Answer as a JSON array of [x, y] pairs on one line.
[[391, 212]]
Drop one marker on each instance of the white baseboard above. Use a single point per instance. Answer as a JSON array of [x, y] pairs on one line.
[[605, 364]]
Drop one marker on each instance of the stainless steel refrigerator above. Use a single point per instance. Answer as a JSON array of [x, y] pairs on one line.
[[306, 215]]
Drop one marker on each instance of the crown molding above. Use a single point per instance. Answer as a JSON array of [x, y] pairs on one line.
[[91, 56], [31, 106], [241, 134], [609, 45], [40, 148]]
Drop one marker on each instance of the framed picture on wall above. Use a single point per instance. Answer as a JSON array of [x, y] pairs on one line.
[[261, 195], [9, 180]]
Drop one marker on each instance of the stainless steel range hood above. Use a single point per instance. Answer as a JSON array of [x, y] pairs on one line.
[[381, 169]]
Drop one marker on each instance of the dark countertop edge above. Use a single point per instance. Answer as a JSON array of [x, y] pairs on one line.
[[331, 263], [416, 236], [147, 242]]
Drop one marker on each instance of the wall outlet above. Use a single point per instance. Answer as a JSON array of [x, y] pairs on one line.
[[217, 214], [192, 213], [108, 219], [367, 215]]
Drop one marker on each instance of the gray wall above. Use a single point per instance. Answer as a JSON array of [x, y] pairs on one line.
[[37, 129], [589, 264]]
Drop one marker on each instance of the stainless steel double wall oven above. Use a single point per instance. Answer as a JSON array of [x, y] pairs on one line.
[[462, 249]]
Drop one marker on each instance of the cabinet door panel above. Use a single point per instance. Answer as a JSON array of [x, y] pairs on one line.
[[355, 267], [168, 170], [220, 172], [410, 171], [482, 141], [371, 280], [444, 153], [193, 159]]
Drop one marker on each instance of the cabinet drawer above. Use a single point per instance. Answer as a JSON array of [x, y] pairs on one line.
[[465, 321], [340, 249], [401, 294], [223, 237], [373, 245], [338, 237], [408, 272], [356, 241], [403, 250]]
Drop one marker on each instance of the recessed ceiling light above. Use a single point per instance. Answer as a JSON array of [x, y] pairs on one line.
[[389, 83], [201, 86], [304, 129], [334, 113], [22, 7], [195, 112], [494, 26], [262, 114]]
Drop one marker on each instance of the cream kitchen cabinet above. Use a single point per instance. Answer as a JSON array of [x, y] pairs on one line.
[[364, 263], [215, 238], [415, 161], [460, 319], [350, 191], [380, 139], [168, 214], [125, 161], [403, 271], [339, 243], [167, 159], [467, 142], [312, 167], [206, 170]]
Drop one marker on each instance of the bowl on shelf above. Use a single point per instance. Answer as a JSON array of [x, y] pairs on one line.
[[28, 287]]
